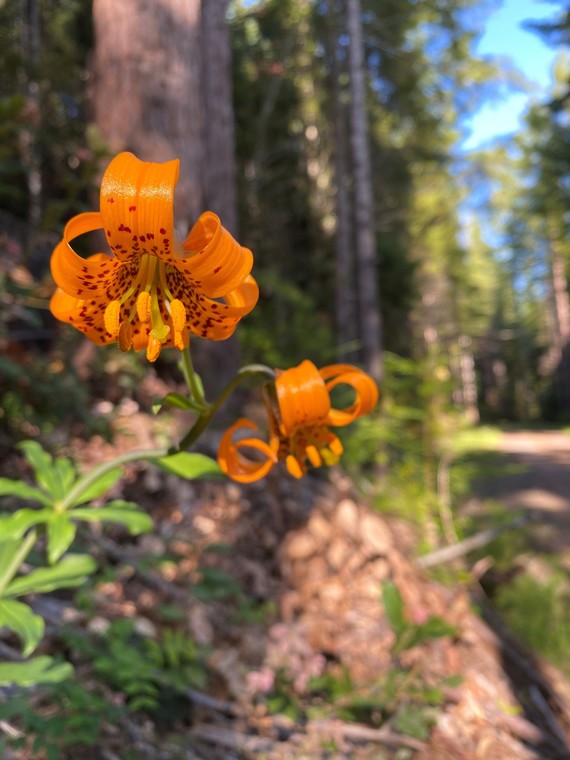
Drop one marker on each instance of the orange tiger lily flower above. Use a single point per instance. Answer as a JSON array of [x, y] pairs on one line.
[[153, 291], [300, 415]]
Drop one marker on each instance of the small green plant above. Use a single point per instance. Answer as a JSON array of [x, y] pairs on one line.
[[403, 696], [148, 672], [547, 629], [64, 717], [62, 500]]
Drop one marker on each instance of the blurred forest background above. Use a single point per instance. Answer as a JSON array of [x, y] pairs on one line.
[[327, 135]]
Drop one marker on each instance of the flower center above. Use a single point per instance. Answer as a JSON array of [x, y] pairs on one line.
[[143, 300]]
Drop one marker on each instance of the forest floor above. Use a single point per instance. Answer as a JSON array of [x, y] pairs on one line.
[[279, 584], [533, 475]]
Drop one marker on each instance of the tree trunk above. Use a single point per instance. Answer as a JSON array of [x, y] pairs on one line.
[[368, 293], [344, 253], [468, 380], [147, 94], [220, 165], [29, 148], [562, 325]]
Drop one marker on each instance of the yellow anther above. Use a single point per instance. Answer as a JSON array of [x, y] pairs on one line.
[[125, 336], [336, 446], [313, 456], [143, 306], [293, 467], [178, 314], [111, 317], [329, 458], [181, 340], [153, 348]]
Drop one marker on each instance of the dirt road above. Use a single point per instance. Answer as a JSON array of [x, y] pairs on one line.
[[536, 476]]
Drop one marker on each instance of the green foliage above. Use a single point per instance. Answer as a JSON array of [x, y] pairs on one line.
[[19, 618], [215, 585], [150, 673], [71, 571], [34, 672], [38, 392], [59, 492], [189, 466], [402, 697], [547, 629], [397, 451], [69, 716], [409, 635]]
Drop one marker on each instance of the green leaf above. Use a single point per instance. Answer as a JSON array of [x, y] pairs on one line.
[[39, 670], [394, 607], [17, 488], [66, 473], [99, 486], [176, 401], [434, 628], [71, 571], [60, 534], [189, 466], [123, 512], [414, 720], [8, 550], [44, 468], [19, 618], [15, 525]]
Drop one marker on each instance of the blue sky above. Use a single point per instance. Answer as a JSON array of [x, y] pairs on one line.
[[505, 37]]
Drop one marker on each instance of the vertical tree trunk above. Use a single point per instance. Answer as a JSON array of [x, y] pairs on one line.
[[220, 165], [368, 293], [344, 255], [468, 380], [562, 324], [29, 149], [147, 94]]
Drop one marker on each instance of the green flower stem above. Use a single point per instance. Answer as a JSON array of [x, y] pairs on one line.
[[194, 386], [17, 559], [259, 371], [91, 477], [252, 370]]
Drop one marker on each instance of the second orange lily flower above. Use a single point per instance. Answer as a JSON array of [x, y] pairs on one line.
[[300, 414]]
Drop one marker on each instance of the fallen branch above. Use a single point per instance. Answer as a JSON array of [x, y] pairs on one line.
[[230, 739], [358, 733], [449, 553]]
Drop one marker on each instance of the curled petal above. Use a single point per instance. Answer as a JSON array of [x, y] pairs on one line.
[[82, 278], [366, 392], [235, 464], [217, 263], [215, 320], [137, 202], [302, 396], [86, 316]]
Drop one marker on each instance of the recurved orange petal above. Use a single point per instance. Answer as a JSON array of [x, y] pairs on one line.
[[235, 464], [137, 207], [215, 320], [367, 393], [217, 263], [82, 278], [86, 316]]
